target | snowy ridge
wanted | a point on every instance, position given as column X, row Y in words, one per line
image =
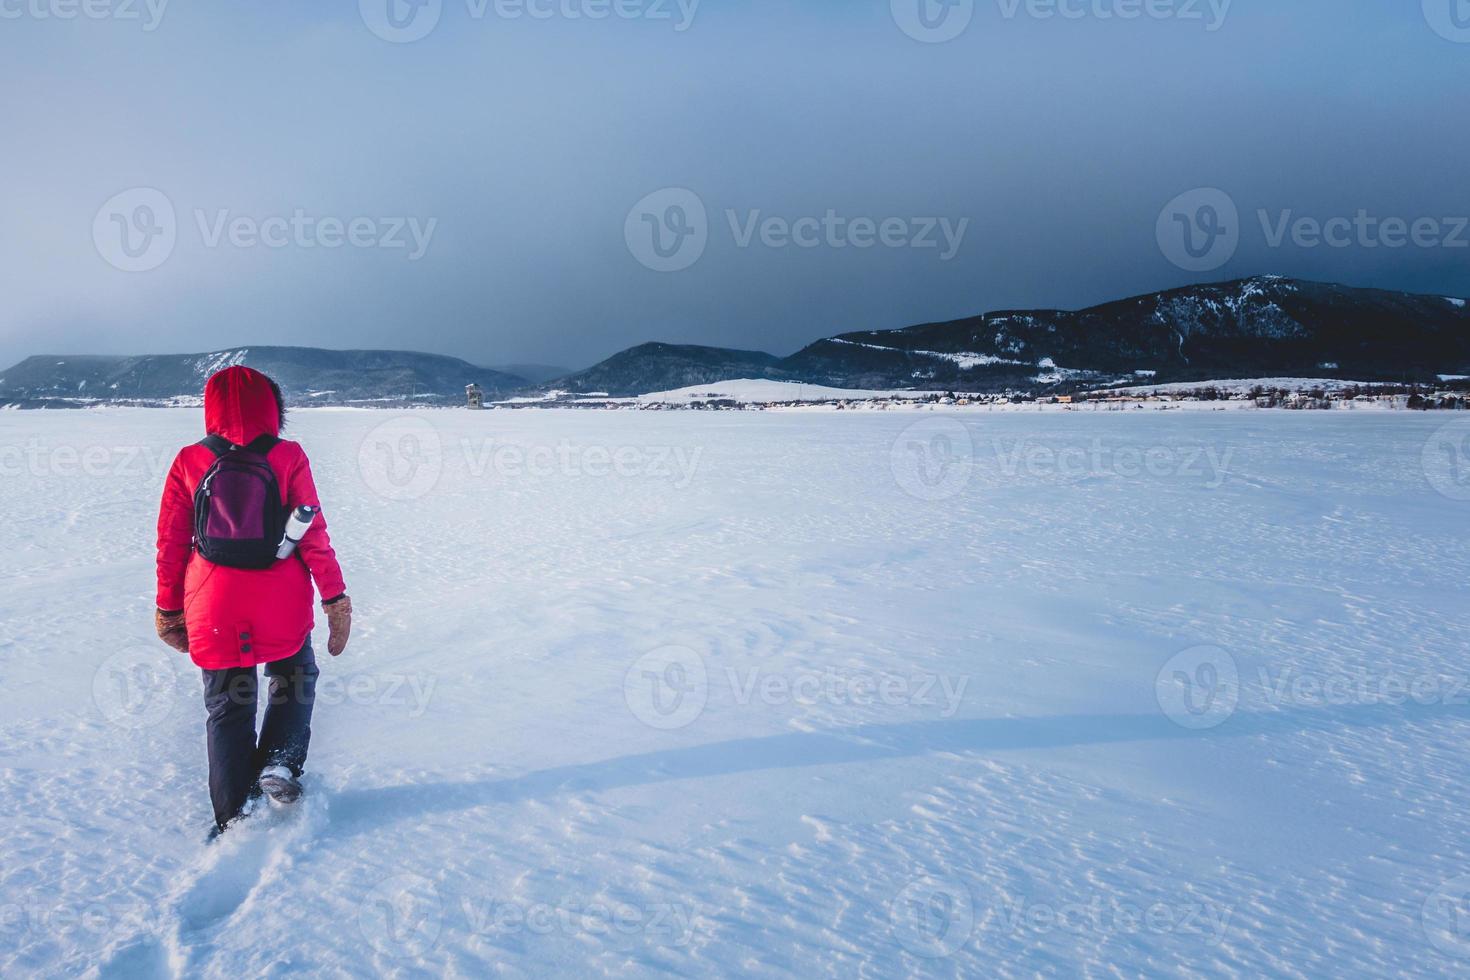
column 756, row 390
column 964, row 360
column 212, row 363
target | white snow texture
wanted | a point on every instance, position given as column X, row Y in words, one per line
column 808, row 694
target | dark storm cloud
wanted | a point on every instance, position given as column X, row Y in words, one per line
column 334, row 181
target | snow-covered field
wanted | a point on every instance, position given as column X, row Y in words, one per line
column 781, row 694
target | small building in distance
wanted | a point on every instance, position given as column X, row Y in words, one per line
column 474, row 396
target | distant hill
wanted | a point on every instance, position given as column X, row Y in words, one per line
column 534, row 373
column 1259, row 327
column 308, row 375
column 1266, row 326
column 658, row 367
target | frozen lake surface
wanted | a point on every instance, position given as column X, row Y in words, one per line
column 779, row 694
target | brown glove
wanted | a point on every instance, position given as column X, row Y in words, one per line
column 170, row 626
column 339, row 623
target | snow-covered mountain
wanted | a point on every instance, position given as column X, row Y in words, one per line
column 1266, row 326
column 1263, row 326
column 308, row 375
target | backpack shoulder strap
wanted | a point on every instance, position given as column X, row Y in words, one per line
column 218, row 445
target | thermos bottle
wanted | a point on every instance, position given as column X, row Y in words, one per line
column 296, row 528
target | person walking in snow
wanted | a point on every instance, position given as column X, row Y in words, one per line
column 227, row 600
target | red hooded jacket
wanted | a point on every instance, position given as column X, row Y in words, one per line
column 238, row 617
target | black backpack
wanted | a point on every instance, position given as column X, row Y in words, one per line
column 239, row 519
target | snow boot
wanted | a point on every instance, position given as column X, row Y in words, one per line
column 278, row 783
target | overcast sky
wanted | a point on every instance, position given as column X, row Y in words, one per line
column 211, row 173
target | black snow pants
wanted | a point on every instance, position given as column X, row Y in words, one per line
column 235, row 757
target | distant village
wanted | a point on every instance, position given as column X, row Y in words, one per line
column 1307, row 396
